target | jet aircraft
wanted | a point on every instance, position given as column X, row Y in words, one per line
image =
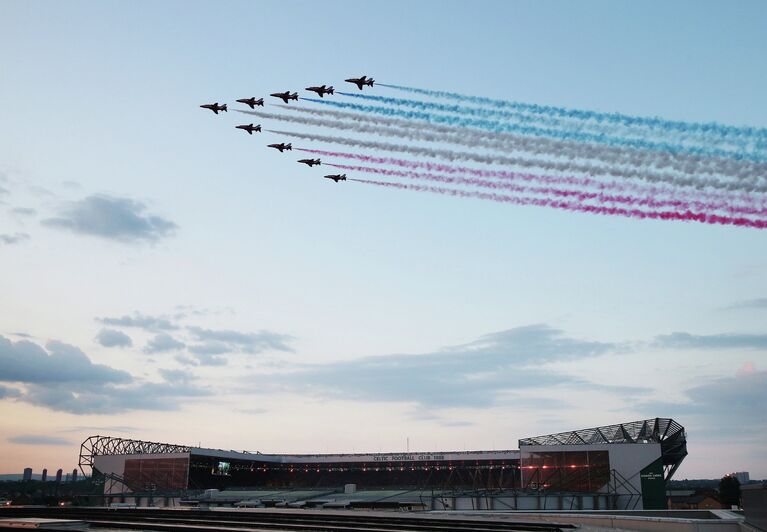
column 281, row 146
column 250, row 128
column 252, row 102
column 361, row 82
column 321, row 90
column 285, row 96
column 214, row 107
column 336, row 177
column 310, row 162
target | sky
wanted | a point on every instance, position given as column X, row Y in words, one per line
column 166, row 277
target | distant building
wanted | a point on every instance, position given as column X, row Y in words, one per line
column 742, row 476
column 694, row 501
column 27, row 473
column 66, row 478
column 58, row 475
column 74, row 475
column 45, row 475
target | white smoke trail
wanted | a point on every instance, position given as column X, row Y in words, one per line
column 450, row 155
column 505, row 142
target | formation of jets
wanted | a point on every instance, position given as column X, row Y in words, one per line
column 286, row 96
column 250, row 128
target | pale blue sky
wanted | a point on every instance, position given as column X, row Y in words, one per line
column 101, row 98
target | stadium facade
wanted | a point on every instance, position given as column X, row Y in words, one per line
column 622, row 466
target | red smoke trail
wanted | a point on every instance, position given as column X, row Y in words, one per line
column 579, row 195
column 753, row 204
column 686, row 216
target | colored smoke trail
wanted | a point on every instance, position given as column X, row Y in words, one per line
column 506, row 142
column 450, row 155
column 751, row 204
column 760, row 134
column 580, row 195
column 686, row 216
column 742, row 142
column 500, row 127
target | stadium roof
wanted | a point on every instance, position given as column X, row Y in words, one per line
column 665, row 431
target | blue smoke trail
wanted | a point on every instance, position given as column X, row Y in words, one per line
column 725, row 131
column 744, row 142
column 499, row 127
column 508, row 142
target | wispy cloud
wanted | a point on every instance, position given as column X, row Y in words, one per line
column 31, row 439
column 477, row 374
column 114, row 218
column 758, row 303
column 213, row 343
column 113, row 338
column 683, row 340
column 16, row 238
column 101, row 428
column 24, row 211
column 141, row 321
column 246, row 342
column 732, row 404
column 162, row 343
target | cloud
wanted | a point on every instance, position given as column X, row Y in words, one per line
column 24, row 211
column 62, row 378
column 120, row 219
column 101, row 429
column 726, row 405
column 682, row 340
column 27, row 362
column 113, row 338
column 15, row 238
column 177, row 375
column 38, row 440
column 210, row 348
column 758, row 303
column 109, row 399
column 140, row 321
column 163, row 343
column 240, row 341
column 6, row 392
column 207, row 354
column 253, row 411
column 476, row 374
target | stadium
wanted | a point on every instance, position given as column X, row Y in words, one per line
column 614, row 467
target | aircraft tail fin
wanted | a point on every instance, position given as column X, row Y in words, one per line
column 224, row 108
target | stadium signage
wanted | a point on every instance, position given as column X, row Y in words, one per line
column 407, row 457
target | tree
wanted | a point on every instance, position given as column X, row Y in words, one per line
column 729, row 491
